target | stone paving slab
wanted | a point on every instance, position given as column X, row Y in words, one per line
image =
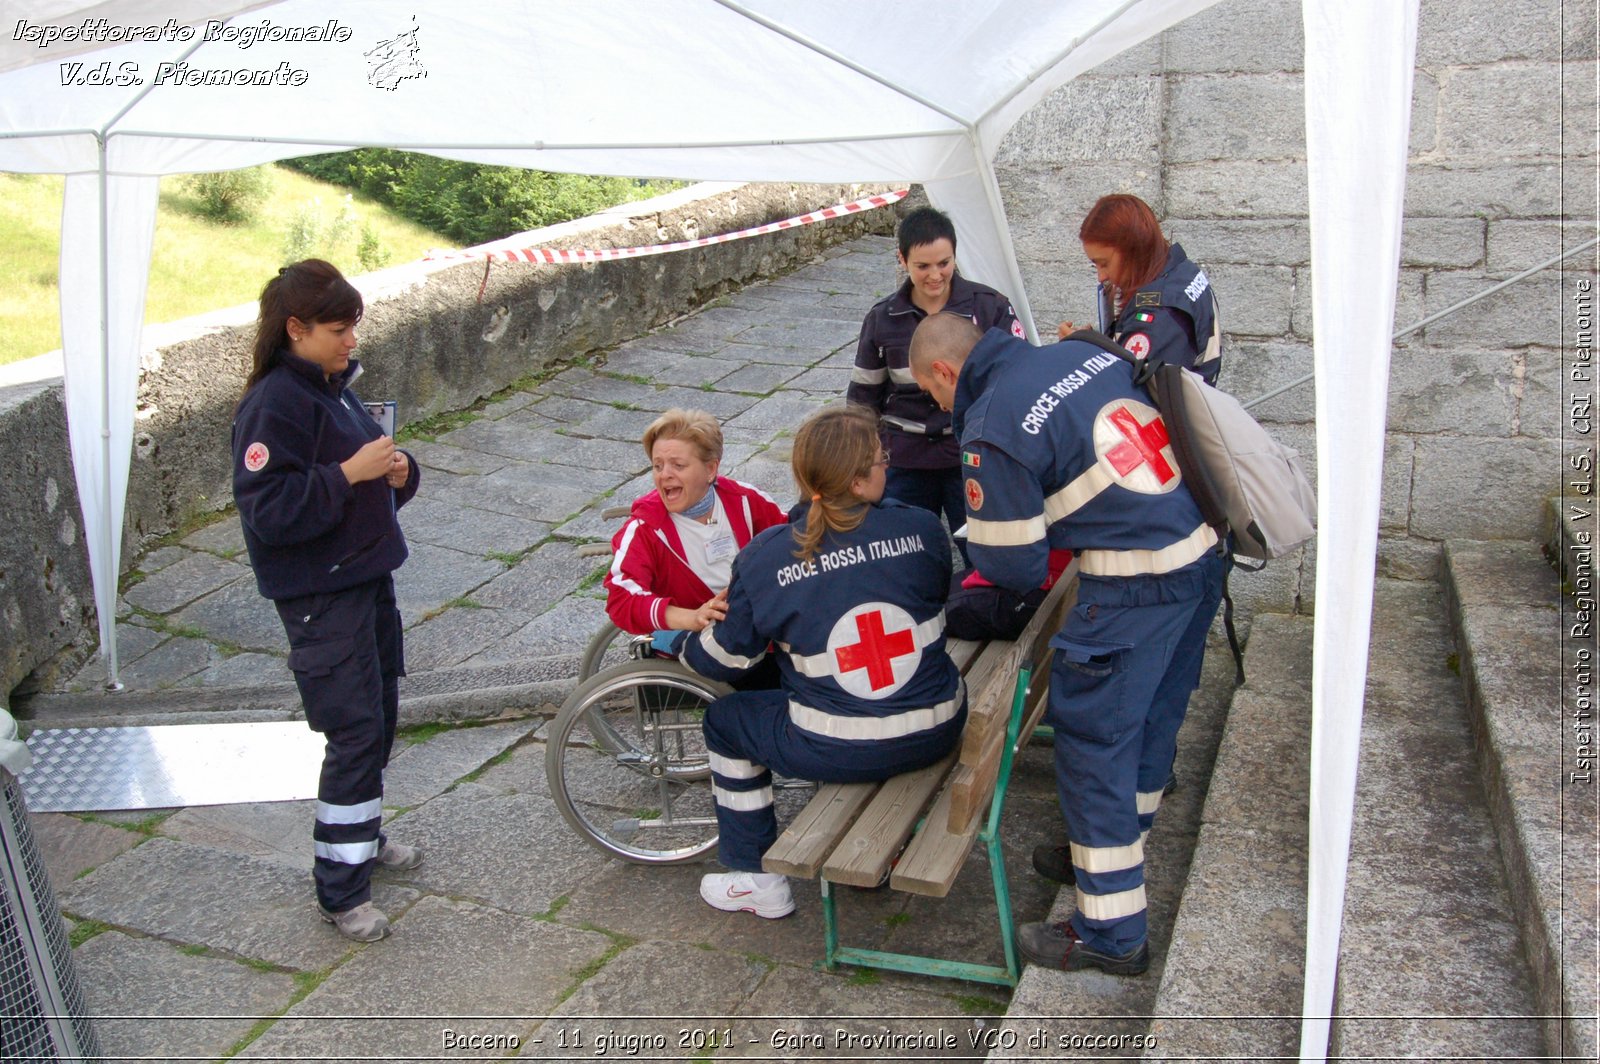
column 182, row 582
column 759, row 378
column 224, row 537
column 420, row 771
column 434, row 576
column 541, row 580
column 471, row 969
column 699, row 371
column 169, row 663
column 240, row 670
column 723, row 402
column 71, row 846
column 814, row 337
column 459, row 633
column 238, row 615
column 133, row 642
column 279, row 832
column 511, row 851
column 643, row 357
column 437, row 456
column 674, row 994
column 155, row 1002
column 780, row 413
column 565, row 628
column 200, row 896
column 468, row 528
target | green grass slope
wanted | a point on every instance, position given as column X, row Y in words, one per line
column 197, row 264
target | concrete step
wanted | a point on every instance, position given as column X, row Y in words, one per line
column 1238, row 945
column 1526, row 659
column 1430, row 949
column 1569, row 540
column 1427, row 929
column 462, row 692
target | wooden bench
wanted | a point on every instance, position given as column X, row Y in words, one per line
column 852, row 833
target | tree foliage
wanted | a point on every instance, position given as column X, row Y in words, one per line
column 230, row 196
column 471, row 202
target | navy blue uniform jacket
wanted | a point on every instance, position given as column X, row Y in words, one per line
column 307, row 529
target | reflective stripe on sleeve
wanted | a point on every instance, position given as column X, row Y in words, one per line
column 1006, row 533
column 902, row 376
column 630, row 586
column 350, row 814
column 1144, row 562
column 908, row 722
column 1118, row 906
column 868, row 376
column 351, row 853
column 819, row 665
column 735, row 768
column 743, row 801
column 708, row 643
column 1108, row 858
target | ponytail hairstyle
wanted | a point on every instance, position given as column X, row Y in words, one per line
column 831, row 450
column 312, row 291
column 1128, row 224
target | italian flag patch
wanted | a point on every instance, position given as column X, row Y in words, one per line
column 1141, row 316
column 970, row 459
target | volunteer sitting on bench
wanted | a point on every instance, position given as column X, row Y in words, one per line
column 672, row 559
column 851, row 596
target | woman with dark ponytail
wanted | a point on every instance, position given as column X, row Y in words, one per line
column 317, row 484
column 850, row 598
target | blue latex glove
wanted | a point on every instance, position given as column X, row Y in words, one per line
column 667, row 641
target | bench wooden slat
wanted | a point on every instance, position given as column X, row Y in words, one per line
column 974, row 779
column 930, row 864
column 972, row 784
column 863, row 855
column 804, row 844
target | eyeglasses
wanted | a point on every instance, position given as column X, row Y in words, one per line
column 883, row 458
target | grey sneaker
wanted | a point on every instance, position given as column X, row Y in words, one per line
column 361, row 924
column 398, row 857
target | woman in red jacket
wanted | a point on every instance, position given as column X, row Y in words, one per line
column 673, row 558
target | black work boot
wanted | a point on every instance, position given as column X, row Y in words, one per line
column 1054, row 863
column 1058, row 946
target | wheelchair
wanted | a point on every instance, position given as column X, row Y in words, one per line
column 627, row 760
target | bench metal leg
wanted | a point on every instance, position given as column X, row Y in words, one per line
column 834, row 954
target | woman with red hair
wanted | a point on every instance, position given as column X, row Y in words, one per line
column 1154, row 301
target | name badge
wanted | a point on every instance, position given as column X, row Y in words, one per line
column 721, row 548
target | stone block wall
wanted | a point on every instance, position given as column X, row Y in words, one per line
column 1206, row 122
column 436, row 337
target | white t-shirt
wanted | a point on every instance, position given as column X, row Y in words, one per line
column 709, row 548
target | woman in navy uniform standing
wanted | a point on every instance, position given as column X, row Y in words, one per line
column 317, row 485
column 1161, row 305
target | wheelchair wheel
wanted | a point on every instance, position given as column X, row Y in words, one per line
column 628, row 766
column 608, row 647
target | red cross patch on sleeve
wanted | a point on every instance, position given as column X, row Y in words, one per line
column 1138, row 345
column 974, row 495
column 255, row 457
column 1017, row 329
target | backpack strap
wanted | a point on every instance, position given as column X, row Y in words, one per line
column 1142, row 369
column 1144, row 375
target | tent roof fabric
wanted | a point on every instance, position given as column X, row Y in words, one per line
column 762, row 90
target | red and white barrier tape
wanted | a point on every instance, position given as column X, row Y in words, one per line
column 552, row 255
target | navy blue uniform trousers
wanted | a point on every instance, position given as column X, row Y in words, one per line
column 1126, row 661
column 750, row 736
column 346, row 651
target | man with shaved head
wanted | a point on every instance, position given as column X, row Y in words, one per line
column 1060, row 449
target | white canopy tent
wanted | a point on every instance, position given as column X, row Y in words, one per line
column 762, row 90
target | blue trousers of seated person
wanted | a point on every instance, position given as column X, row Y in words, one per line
column 1126, row 661
column 750, row 737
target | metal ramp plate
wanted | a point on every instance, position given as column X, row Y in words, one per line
column 78, row 770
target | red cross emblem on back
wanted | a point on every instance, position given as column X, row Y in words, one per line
column 876, row 651
column 1142, row 444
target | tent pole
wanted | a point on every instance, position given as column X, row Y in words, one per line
column 105, row 596
column 997, row 215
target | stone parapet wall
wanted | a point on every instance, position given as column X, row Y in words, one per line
column 1206, row 122
column 436, row 337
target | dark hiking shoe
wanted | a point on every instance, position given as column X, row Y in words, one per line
column 1054, row 863
column 1058, row 946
